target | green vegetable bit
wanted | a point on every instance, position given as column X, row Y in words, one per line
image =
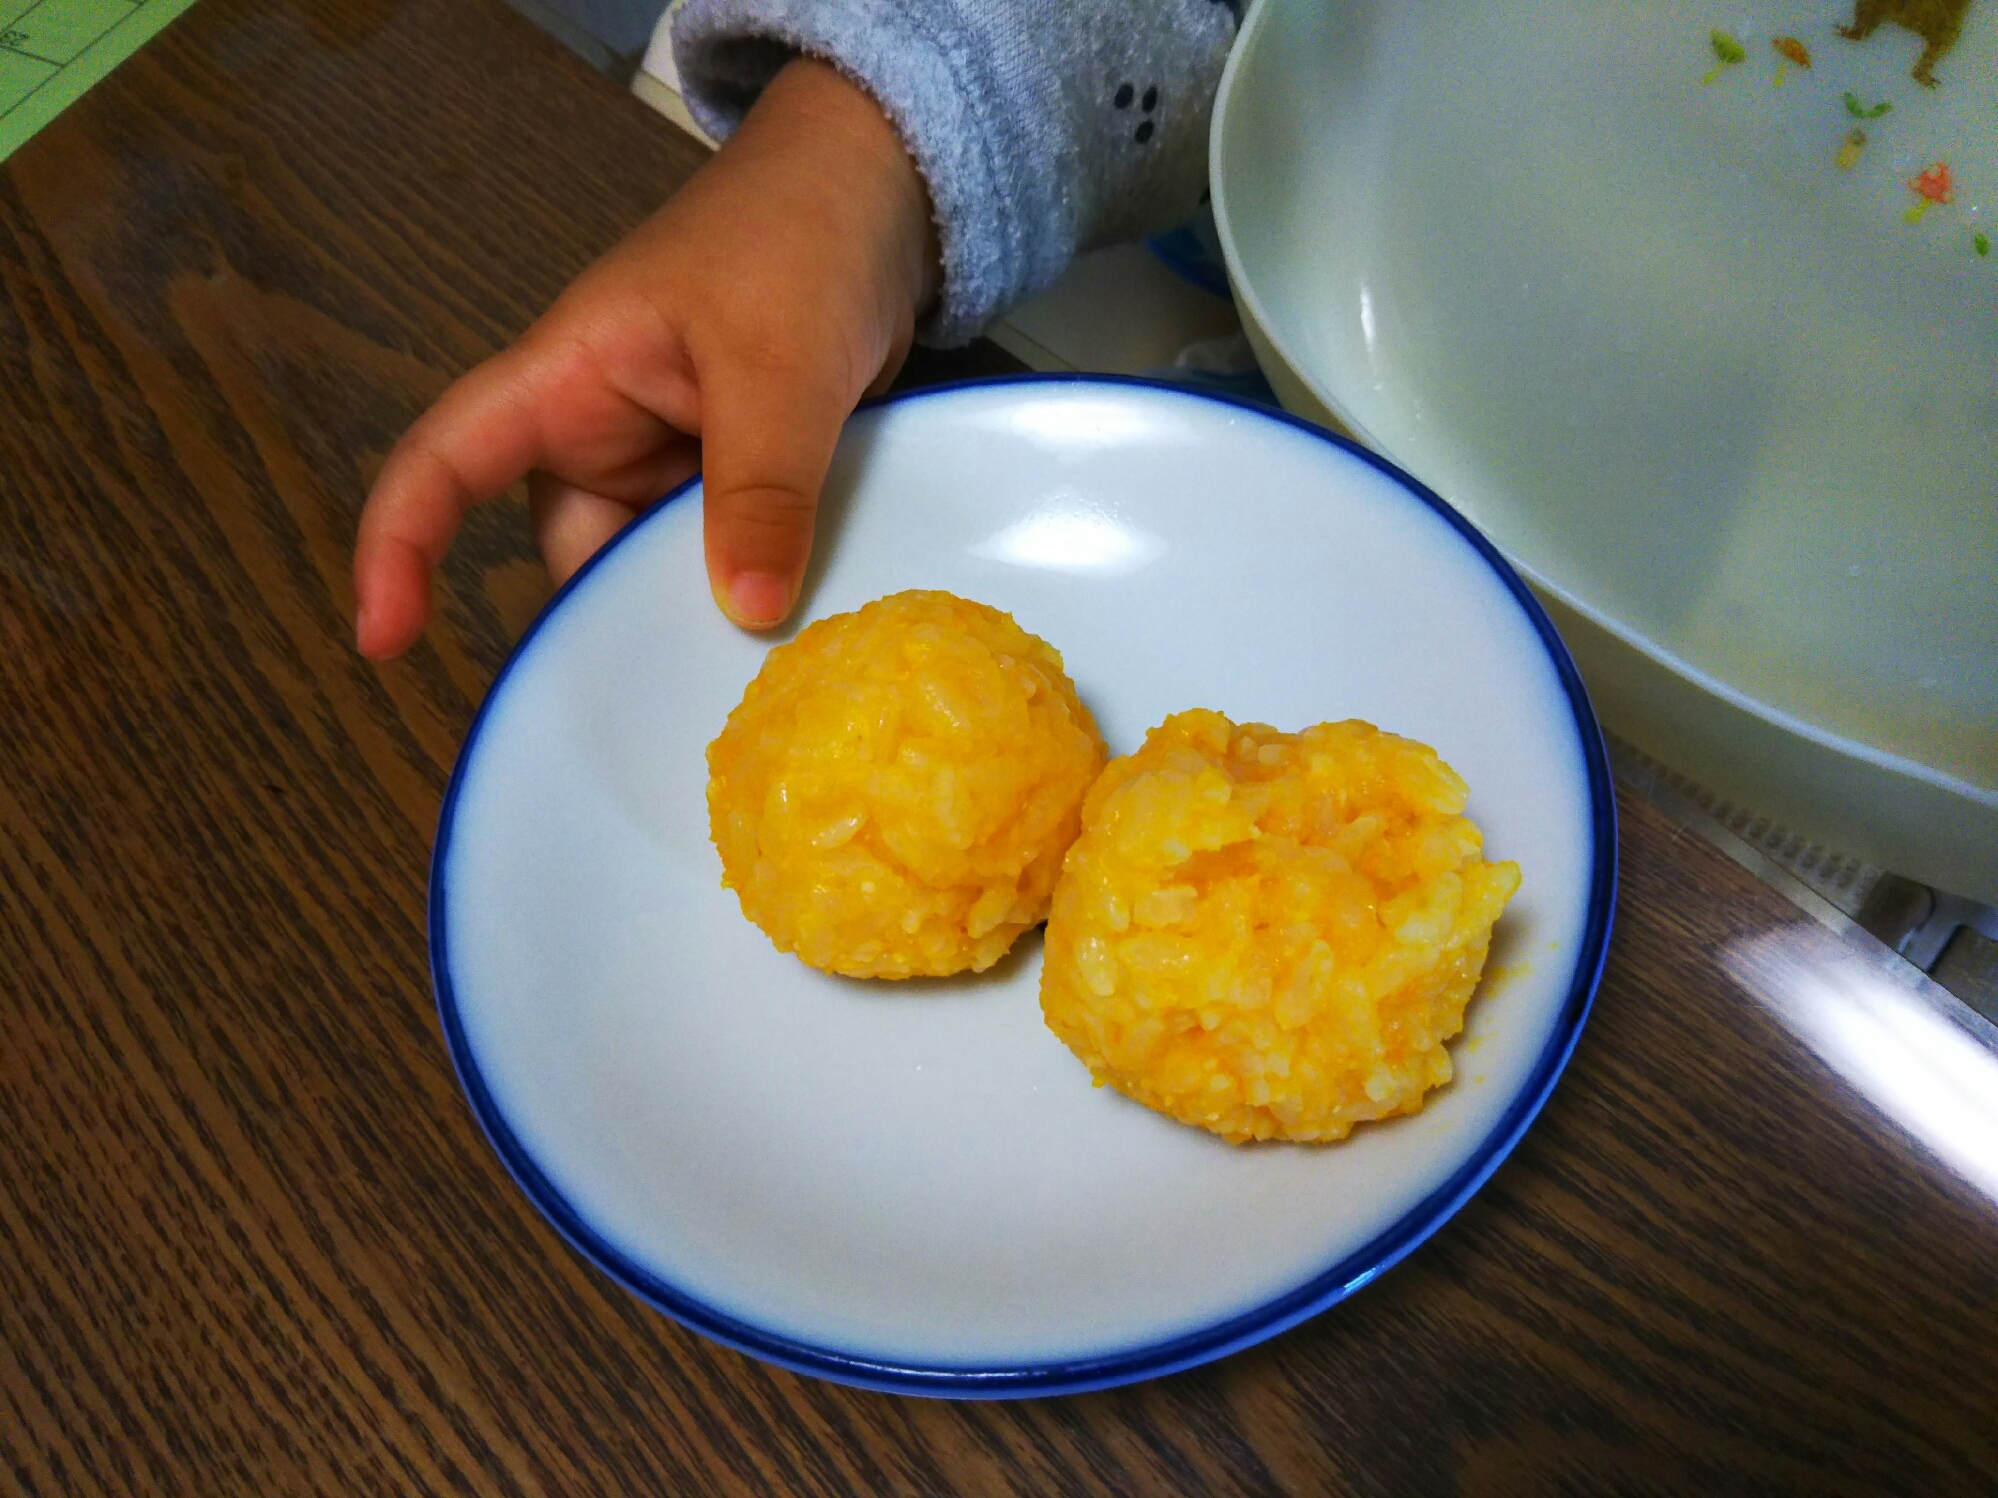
column 1860, row 112
column 1982, row 241
column 1726, row 48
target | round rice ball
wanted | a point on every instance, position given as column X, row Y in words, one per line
column 893, row 796
column 1271, row 935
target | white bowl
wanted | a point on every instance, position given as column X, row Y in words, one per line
column 914, row 1186
column 1731, row 414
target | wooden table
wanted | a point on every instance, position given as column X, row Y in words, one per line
column 251, row 1240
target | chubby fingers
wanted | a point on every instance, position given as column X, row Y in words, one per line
column 480, row 437
column 571, row 523
column 767, row 436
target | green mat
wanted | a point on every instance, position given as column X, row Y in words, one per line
column 52, row 50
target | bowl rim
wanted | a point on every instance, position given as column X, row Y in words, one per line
column 1067, row 1375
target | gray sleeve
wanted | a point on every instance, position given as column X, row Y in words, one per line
column 1042, row 127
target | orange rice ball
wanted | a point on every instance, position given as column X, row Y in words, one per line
column 1271, row 935
column 893, row 796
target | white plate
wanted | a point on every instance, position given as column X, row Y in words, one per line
column 915, row 1187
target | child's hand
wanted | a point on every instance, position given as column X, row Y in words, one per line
column 735, row 330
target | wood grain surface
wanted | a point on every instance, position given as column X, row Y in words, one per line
column 251, row 1240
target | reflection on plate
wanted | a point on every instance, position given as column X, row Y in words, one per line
column 914, row 1186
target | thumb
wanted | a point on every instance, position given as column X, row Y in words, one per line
column 767, row 437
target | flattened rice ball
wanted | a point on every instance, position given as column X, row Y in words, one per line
column 1271, row 935
column 893, row 796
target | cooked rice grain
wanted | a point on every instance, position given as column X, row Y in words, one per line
column 893, row 796
column 1271, row 935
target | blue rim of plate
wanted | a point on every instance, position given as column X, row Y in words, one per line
column 1132, row 1365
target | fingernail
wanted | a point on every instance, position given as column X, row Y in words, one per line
column 757, row 600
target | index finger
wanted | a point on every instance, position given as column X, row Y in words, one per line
column 480, row 437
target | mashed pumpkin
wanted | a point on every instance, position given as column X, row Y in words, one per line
column 1271, row 935
column 893, row 796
